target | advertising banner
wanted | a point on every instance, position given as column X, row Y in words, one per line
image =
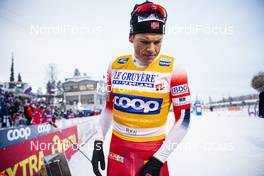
column 26, row 158
column 11, row 136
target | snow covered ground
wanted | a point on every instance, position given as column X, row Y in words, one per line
column 220, row 143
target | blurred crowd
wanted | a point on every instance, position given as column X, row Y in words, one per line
column 17, row 110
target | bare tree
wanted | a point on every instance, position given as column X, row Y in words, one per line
column 52, row 73
column 257, row 83
column 51, row 79
column 12, row 72
column 19, row 78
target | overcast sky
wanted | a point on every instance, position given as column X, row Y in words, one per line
column 220, row 43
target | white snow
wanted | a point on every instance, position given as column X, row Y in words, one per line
column 220, row 143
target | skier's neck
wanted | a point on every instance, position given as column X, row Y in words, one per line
column 138, row 62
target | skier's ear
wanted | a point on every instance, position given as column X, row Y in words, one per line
column 131, row 38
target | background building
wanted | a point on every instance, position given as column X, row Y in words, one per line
column 83, row 92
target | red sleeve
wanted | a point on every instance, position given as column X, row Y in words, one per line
column 109, row 100
column 180, row 92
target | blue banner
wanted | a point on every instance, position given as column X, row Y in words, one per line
column 15, row 135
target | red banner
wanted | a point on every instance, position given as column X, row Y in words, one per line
column 27, row 158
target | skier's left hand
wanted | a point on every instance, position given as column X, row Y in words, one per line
column 98, row 157
column 152, row 167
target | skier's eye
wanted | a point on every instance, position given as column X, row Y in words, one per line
column 157, row 42
column 145, row 42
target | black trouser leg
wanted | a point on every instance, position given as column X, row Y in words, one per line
column 261, row 104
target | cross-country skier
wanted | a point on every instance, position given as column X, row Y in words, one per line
column 142, row 87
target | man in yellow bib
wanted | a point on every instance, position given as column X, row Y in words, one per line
column 142, row 88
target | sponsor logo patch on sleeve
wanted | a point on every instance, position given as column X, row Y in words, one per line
column 116, row 157
column 181, row 101
column 180, row 89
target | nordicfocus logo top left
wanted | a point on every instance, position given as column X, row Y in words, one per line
column 15, row 134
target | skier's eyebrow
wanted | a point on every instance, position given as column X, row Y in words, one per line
column 148, row 38
column 150, row 41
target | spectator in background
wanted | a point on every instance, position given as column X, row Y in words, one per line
column 47, row 115
column 6, row 118
column 19, row 119
column 1, row 107
column 36, row 118
column 29, row 112
column 27, row 109
column 70, row 114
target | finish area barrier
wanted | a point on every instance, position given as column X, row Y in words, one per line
column 22, row 149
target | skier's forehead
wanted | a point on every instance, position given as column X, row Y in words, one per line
column 149, row 36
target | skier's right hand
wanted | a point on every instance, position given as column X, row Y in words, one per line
column 98, row 156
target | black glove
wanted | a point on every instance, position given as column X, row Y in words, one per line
column 98, row 156
column 152, row 167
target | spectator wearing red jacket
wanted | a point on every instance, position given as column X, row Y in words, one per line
column 36, row 116
column 47, row 115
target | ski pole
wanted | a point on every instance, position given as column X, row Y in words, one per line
column 55, row 126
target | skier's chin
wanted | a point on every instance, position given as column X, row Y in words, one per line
column 149, row 58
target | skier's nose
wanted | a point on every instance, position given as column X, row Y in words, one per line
column 151, row 47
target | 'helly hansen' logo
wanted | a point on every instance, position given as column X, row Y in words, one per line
column 123, row 60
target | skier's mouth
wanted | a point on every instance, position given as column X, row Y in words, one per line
column 149, row 56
